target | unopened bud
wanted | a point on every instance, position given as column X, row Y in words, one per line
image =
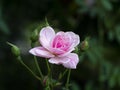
column 84, row 45
column 15, row 50
column 76, row 50
column 34, row 36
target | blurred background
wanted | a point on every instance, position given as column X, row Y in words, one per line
column 99, row 67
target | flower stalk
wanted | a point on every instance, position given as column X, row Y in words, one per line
column 20, row 60
column 48, row 66
column 38, row 67
column 68, row 77
column 62, row 74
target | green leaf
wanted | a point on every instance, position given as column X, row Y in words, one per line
column 107, row 4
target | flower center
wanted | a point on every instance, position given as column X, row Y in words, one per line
column 62, row 42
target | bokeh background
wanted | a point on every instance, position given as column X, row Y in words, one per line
column 99, row 67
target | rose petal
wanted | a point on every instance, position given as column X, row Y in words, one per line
column 66, row 53
column 59, row 60
column 60, row 33
column 46, row 35
column 42, row 52
column 72, row 62
column 75, row 39
column 57, row 51
column 69, row 61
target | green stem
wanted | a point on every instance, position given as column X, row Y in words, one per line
column 20, row 60
column 50, row 76
column 68, row 77
column 48, row 66
column 47, row 88
column 63, row 74
column 36, row 62
column 37, row 65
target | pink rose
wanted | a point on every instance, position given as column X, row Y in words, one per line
column 57, row 47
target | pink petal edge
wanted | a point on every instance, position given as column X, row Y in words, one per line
column 70, row 61
column 41, row 52
column 74, row 38
column 58, row 60
column 72, row 64
column 45, row 36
